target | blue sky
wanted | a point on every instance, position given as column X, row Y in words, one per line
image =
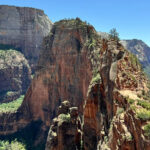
column 131, row 18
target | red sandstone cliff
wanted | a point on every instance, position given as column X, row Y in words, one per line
column 112, row 112
column 64, row 70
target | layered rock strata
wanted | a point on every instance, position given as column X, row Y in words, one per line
column 23, row 29
column 64, row 70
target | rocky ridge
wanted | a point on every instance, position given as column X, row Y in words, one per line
column 110, row 121
column 137, row 47
column 65, row 131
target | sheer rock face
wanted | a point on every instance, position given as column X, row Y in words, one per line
column 65, row 131
column 24, row 29
column 98, row 111
column 15, row 75
column 65, row 71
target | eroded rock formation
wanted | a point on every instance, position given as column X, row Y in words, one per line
column 110, row 121
column 65, row 71
column 65, row 131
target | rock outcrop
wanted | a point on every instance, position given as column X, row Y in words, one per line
column 24, row 29
column 64, row 70
column 110, row 116
column 137, row 47
column 15, row 75
column 65, row 131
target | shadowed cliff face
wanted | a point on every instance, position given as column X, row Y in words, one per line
column 24, row 29
column 65, row 71
column 15, row 75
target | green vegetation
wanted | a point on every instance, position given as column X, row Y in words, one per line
column 133, row 107
column 13, row 145
column 11, row 106
column 147, row 130
column 144, row 104
column 4, row 52
column 120, row 110
column 92, row 39
column 6, row 94
column 32, row 76
column 145, row 96
column 26, row 138
column 113, row 34
column 130, row 75
column 6, row 55
column 92, row 43
column 134, row 61
column 129, row 137
column 130, row 101
column 9, row 93
column 96, row 79
column 64, row 117
column 143, row 114
column 70, row 22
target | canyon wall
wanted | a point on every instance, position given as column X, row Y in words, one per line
column 23, row 29
column 64, row 71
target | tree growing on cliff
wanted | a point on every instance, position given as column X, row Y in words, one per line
column 113, row 34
